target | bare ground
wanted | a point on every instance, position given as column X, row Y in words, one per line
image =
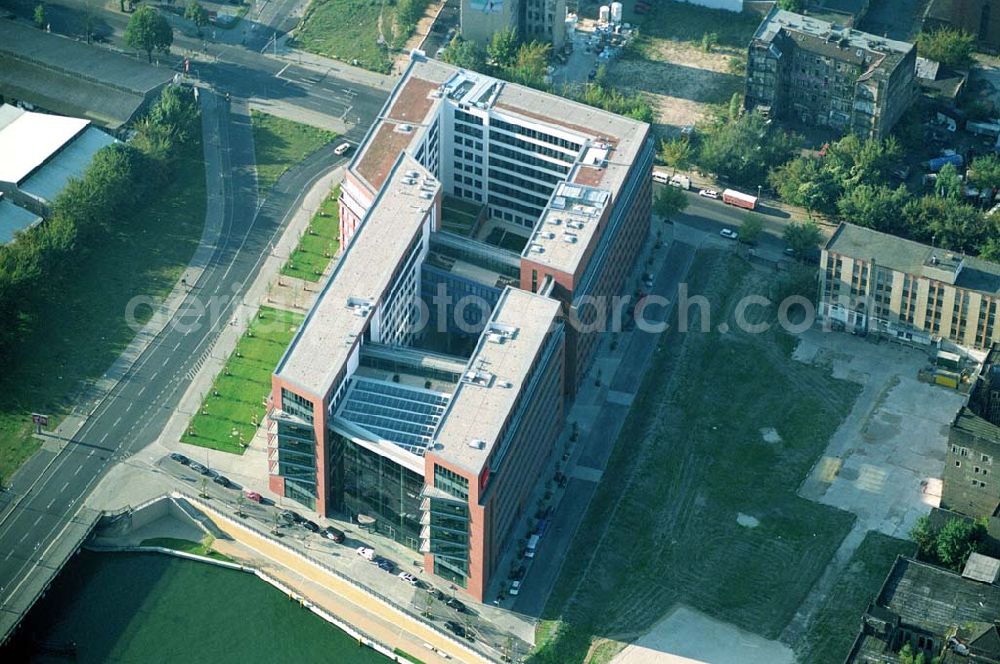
column 680, row 79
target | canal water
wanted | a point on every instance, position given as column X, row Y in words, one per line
column 146, row 608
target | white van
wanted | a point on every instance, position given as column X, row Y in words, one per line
column 661, row 177
column 532, row 545
column 681, row 181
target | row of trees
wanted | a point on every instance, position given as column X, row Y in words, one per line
column 114, row 186
column 506, row 56
column 853, row 180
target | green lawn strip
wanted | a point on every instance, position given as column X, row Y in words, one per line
column 835, row 626
column 281, row 143
column 674, row 536
column 348, row 30
column 202, row 548
column 79, row 326
column 407, row 656
column 319, row 244
column 236, row 399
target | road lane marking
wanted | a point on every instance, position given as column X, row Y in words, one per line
column 103, row 438
column 77, row 471
column 51, row 503
column 64, row 486
column 116, row 422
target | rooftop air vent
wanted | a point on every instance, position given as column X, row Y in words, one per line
column 426, row 195
column 505, row 384
column 555, row 221
column 403, row 128
column 477, row 444
column 575, row 224
column 498, row 332
column 569, row 238
column 538, row 249
column 412, row 174
column 479, row 377
column 359, row 306
column 546, row 235
column 409, row 181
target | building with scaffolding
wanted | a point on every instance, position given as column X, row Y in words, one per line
column 424, row 393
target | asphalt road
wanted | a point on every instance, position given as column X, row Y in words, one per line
column 50, row 487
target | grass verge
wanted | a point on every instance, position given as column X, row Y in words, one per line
column 202, row 548
column 691, row 458
column 281, row 143
column 835, row 625
column 349, row 30
column 319, row 244
column 79, row 326
column 681, row 21
column 229, row 413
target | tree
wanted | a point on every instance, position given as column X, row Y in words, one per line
column 531, row 64
column 464, row 54
column 906, row 654
column 949, row 183
column 675, row 152
column 802, row 238
column 984, row 173
column 949, row 46
column 792, row 5
column 503, row 47
column 924, row 536
column 804, row 181
column 148, row 31
column 40, row 16
column 735, row 106
column 196, row 14
column 957, row 540
column 709, row 40
column 743, row 151
column 878, row 207
column 752, row 227
column 946, row 223
column 408, row 12
column 669, row 202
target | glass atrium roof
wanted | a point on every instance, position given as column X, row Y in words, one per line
column 403, row 415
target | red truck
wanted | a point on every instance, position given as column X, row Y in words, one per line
column 739, row 199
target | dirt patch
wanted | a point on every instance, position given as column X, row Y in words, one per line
column 681, row 80
column 770, row 435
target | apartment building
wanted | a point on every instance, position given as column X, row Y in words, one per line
column 971, row 483
column 872, row 282
column 541, row 20
column 819, row 73
column 376, row 412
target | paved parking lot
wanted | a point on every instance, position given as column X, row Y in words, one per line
column 885, row 461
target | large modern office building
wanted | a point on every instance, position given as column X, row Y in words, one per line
column 876, row 282
column 374, row 414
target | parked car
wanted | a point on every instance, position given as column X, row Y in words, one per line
column 198, row 468
column 386, row 565
column 709, row 193
column 457, row 605
column 222, row 481
column 342, row 149
column 729, row 234
column 437, row 594
column 288, row 516
column 409, row 578
column 455, row 628
column 311, row 526
column 180, row 458
column 334, row 534
column 253, row 496
column 515, row 588
column 366, row 552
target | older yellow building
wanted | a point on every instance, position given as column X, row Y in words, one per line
column 873, row 282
